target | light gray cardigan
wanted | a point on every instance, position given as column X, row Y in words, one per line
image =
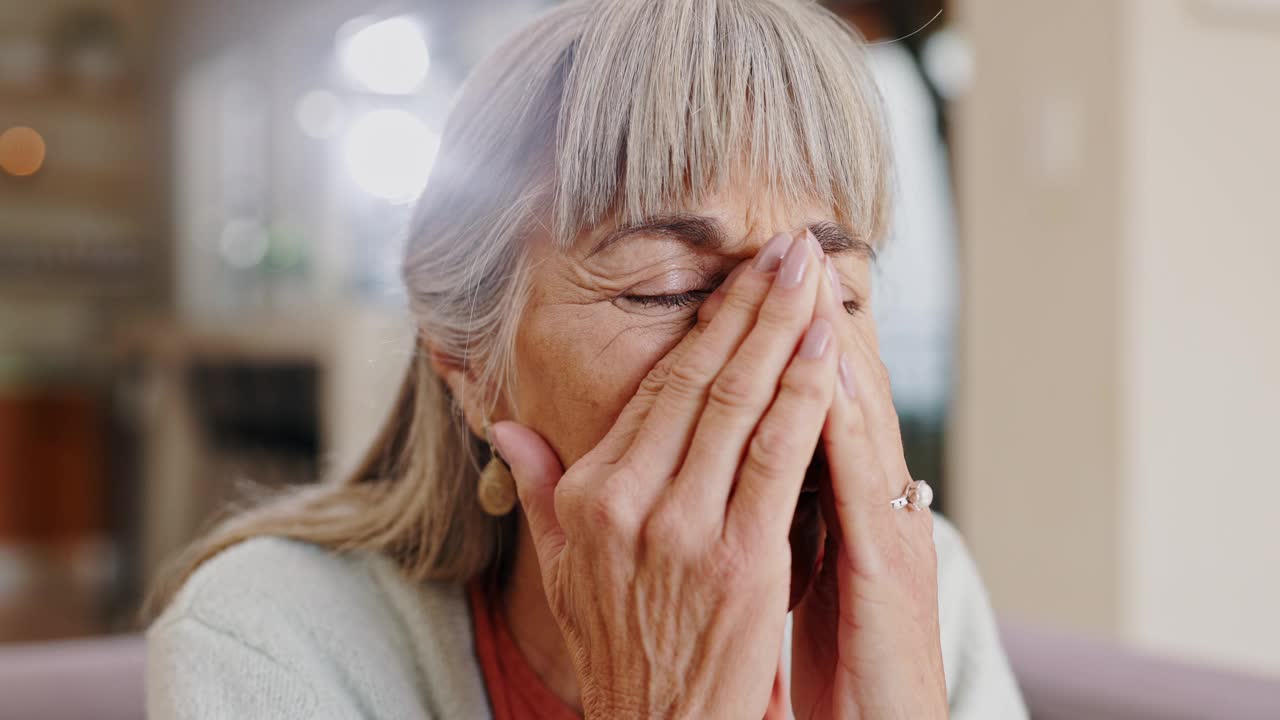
column 279, row 629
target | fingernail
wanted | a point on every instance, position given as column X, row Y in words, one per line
column 834, row 281
column 816, row 339
column 817, row 246
column 770, row 256
column 791, row 274
column 846, row 376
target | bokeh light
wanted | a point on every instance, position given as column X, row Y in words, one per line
column 22, row 151
column 244, row 243
column 387, row 56
column 319, row 114
column 389, row 154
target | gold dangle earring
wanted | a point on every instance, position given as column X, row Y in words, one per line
column 497, row 489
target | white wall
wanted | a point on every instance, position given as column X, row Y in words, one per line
column 1202, row 336
column 1114, row 450
column 1035, row 471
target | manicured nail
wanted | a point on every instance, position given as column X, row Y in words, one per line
column 791, row 274
column 816, row 340
column 846, row 376
column 770, row 256
column 834, row 281
column 817, row 246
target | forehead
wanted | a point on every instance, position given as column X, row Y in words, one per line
column 735, row 220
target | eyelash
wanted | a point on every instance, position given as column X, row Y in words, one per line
column 685, row 299
column 678, row 300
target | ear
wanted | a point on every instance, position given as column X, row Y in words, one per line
column 466, row 389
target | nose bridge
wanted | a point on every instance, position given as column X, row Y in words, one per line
column 762, row 218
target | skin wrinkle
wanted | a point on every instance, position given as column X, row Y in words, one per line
column 597, row 286
column 580, row 355
column 703, row 234
column 587, row 112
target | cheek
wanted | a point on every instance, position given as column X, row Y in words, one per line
column 576, row 371
column 869, row 330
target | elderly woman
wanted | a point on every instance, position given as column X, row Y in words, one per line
column 640, row 273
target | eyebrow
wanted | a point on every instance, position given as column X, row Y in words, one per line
column 835, row 239
column 696, row 231
column 700, row 231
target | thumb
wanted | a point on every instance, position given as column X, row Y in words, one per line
column 537, row 470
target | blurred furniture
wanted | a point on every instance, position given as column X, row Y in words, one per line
column 1067, row 677
column 83, row 207
column 73, row 680
column 219, row 405
column 228, row 409
column 82, row 216
column 55, row 551
column 1062, row 677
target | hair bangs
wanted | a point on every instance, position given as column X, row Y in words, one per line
column 665, row 101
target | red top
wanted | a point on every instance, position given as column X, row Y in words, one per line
column 515, row 690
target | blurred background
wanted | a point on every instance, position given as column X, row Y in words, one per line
column 202, row 205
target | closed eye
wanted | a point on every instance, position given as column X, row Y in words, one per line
column 673, row 301
column 693, row 297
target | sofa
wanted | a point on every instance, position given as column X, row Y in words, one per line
column 1063, row 677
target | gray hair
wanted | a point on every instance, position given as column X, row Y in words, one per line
column 598, row 109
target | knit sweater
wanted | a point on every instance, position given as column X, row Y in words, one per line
column 280, row 629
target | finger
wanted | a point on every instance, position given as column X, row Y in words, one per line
column 713, row 302
column 859, row 498
column 748, row 384
column 872, row 450
column 622, row 434
column 780, row 699
column 536, row 470
column 664, row 436
column 780, row 449
column 875, row 394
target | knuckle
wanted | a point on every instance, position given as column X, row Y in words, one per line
column 568, row 500
column 781, row 316
column 653, row 382
column 806, row 387
column 855, row 421
column 740, row 299
column 606, row 515
column 733, row 388
column 687, row 378
column 771, row 448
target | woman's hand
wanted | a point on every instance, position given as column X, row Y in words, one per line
column 866, row 638
column 664, row 550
